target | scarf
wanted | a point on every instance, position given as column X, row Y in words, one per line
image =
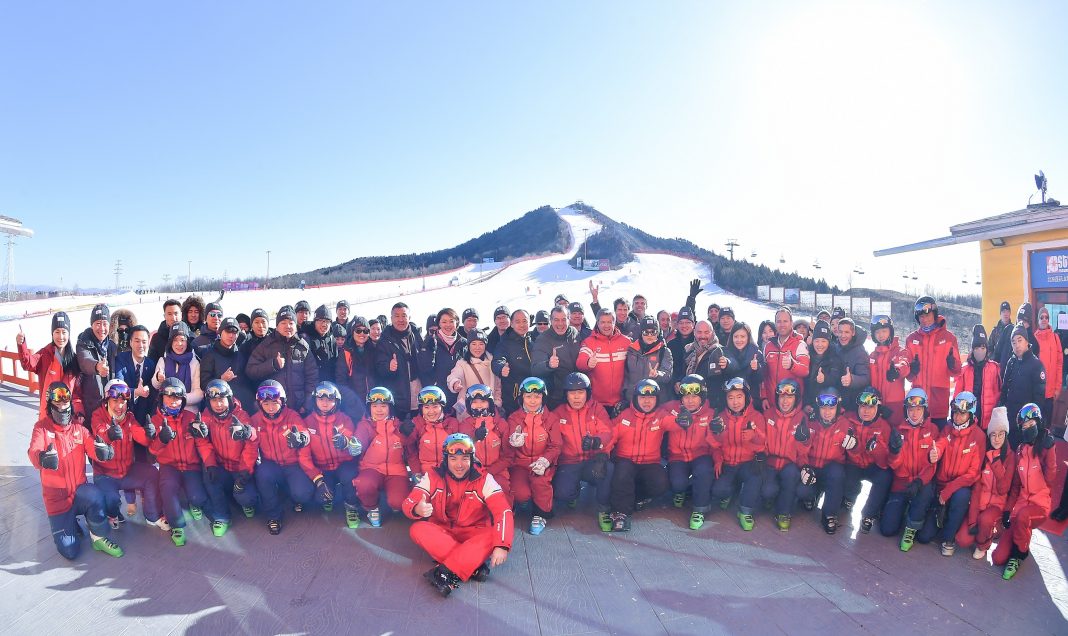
column 694, row 352
column 178, row 366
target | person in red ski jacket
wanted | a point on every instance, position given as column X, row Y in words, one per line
column 889, row 365
column 913, row 448
column 58, row 450
column 604, row 356
column 56, row 362
column 786, row 355
column 991, row 491
column 934, row 358
column 180, row 446
column 235, row 448
column 833, row 436
column 1029, row 498
column 694, row 457
column 334, row 450
column 740, row 433
column 462, row 517
column 1051, row 353
column 637, row 438
column 114, row 431
column 870, row 459
column 980, row 376
column 585, row 432
column 285, row 459
column 959, row 462
column 537, row 450
column 787, row 436
column 432, row 426
column 487, row 428
column 386, row 442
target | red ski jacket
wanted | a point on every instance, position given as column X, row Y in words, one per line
column 1036, row 470
column 234, row 456
column 273, row 446
column 637, row 436
column 913, row 461
column 73, row 444
column 184, row 452
column 991, row 490
column 686, row 445
column 574, row 425
column 321, row 433
column 991, row 389
column 476, row 502
column 494, row 452
column 880, row 430
column 743, row 437
column 385, row 450
column 779, row 430
column 826, row 444
column 118, row 465
column 543, row 440
column 880, row 360
column 961, row 460
column 933, row 349
column 794, row 347
column 610, row 352
column 428, row 439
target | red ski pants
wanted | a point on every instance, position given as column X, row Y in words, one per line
column 526, row 486
column 461, row 550
column 370, row 483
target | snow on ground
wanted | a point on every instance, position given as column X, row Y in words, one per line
column 529, row 284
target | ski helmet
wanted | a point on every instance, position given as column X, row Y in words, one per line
column 915, row 397
column 645, row 388
column 577, row 381
column 380, row 395
column 925, row 305
column 172, row 387
column 479, row 392
column 457, row 444
column 693, row 384
column 117, row 389
column 329, row 391
column 882, row 321
column 739, row 384
column 221, row 389
column 60, row 408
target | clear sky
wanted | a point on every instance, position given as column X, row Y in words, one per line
column 160, row 133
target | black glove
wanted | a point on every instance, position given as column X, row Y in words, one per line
column 49, row 458
column 1005, row 519
column 322, row 491
column 166, row 433
column 914, row 366
column 750, row 426
column 808, row 475
column 599, row 470
column 104, row 453
column 197, row 428
column 481, row 431
column 695, row 287
column 892, row 374
column 211, row 473
column 684, row 419
column 297, row 439
column 872, row 443
column 913, row 488
column 150, row 429
column 1045, row 443
column 339, row 439
column 973, row 530
column 239, row 432
column 717, row 426
column 241, row 479
column 950, row 363
column 801, row 433
column 114, row 431
column 760, row 456
column 940, row 514
column 406, row 427
column 897, row 441
column 618, row 408
column 591, row 442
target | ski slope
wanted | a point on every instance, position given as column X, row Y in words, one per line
column 531, row 284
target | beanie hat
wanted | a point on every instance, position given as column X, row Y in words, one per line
column 477, row 334
column 100, row 312
column 726, row 311
column 229, row 324
column 838, row 313
column 322, row 312
column 560, row 298
column 1019, row 330
column 501, row 311
column 649, row 324
column 302, row 305
column 259, row 313
column 1024, row 312
column 339, row 330
column 381, row 320
column 978, row 336
column 431, row 322
column 243, row 318
column 999, row 421
column 576, row 306
column 343, row 303
column 360, row 321
column 541, row 318
column 178, row 329
column 468, row 313
column 285, row 312
column 686, row 314
column 823, row 314
column 60, row 320
column 212, row 307
column 1005, row 306
column 822, row 330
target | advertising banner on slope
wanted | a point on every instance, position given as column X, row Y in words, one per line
column 808, row 299
column 792, row 297
column 862, row 307
column 763, row 292
column 777, row 295
column 824, row 301
column 880, row 308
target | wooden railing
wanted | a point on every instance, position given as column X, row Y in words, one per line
column 18, row 377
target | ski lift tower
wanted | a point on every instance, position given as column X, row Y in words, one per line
column 11, row 228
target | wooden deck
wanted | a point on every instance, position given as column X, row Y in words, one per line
column 318, row 577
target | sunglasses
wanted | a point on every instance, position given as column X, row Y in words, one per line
column 691, row 388
column 362, row 332
column 378, row 397
column 867, row 399
column 827, row 399
column 215, row 314
column 650, row 332
column 119, row 391
column 786, row 389
column 460, row 447
column 1030, row 412
column 215, row 393
column 59, row 394
column 268, row 394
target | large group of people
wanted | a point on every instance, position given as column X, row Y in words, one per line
column 456, row 426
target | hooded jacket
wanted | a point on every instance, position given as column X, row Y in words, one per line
column 854, row 360
column 648, row 361
column 934, row 349
column 121, row 340
column 608, row 374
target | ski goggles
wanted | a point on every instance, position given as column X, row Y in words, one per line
column 878, row 322
column 460, row 447
column 650, row 332
column 734, row 384
column 926, row 308
column 430, row 398
column 59, row 394
column 379, row 397
column 647, row 389
column 916, row 400
column 214, row 393
column 325, row 394
column 532, row 385
column 478, row 394
column 1029, row 412
column 868, row 398
column 828, row 399
column 119, row 391
column 268, row 394
column 691, row 388
column 786, row 388
column 963, row 405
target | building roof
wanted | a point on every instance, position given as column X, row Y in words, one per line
column 1033, row 218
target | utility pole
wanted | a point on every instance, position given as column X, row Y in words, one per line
column 166, row 280
column 118, row 273
column 731, row 244
column 189, row 275
column 267, row 283
column 585, row 248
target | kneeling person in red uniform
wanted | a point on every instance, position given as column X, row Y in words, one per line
column 482, row 424
column 991, row 491
column 462, row 517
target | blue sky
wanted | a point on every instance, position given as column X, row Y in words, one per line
column 212, row 132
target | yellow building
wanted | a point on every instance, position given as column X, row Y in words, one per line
column 1024, row 257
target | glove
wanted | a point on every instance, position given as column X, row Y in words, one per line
column 599, row 470
column 518, row 438
column 297, row 439
column 104, row 452
column 166, row 433
column 802, row 433
column 892, row 374
column 198, row 428
column 591, row 442
column 872, row 443
column 914, row 366
column 322, row 491
column 618, row 408
column 695, row 287
column 49, row 458
column 1045, row 443
column 684, row 419
column 973, row 530
column 211, row 473
column 481, row 431
column 760, row 456
column 940, row 514
column 849, row 442
column 150, row 429
column 950, row 364
column 339, row 439
column 241, row 479
column 114, row 431
column 808, row 475
column 717, row 426
column 539, row 466
column 355, row 447
column 1005, row 519
column 406, row 427
column 913, row 488
column 896, row 441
